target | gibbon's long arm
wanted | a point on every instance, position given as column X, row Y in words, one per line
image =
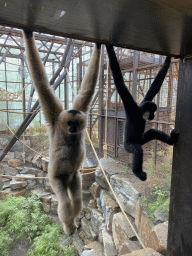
column 48, row 100
column 158, row 81
column 129, row 104
column 84, row 97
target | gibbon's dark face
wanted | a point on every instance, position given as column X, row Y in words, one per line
column 73, row 121
column 148, row 109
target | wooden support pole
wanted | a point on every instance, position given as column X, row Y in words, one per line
column 180, row 214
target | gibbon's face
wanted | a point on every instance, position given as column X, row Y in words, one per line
column 73, row 121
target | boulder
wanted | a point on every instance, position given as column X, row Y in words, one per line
column 31, row 184
column 14, row 162
column 123, row 235
column 91, row 252
column 110, row 167
column 3, row 168
column 31, row 170
column 126, row 193
column 144, row 252
column 19, row 155
column 95, row 189
column 3, row 142
column 45, row 163
column 54, row 204
column 97, row 246
column 77, row 241
column 96, row 220
column 9, row 155
column 1, row 184
column 11, row 171
column 158, row 238
column 46, row 203
column 17, row 184
column 143, row 225
column 37, row 161
column 109, row 207
column 18, row 146
column 15, row 193
column 88, row 230
column 108, row 244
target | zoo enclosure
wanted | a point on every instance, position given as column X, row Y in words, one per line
column 106, row 117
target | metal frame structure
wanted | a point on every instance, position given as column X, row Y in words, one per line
column 139, row 69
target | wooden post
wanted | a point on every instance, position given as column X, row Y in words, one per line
column 180, row 214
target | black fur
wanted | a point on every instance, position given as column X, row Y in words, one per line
column 74, row 112
column 135, row 136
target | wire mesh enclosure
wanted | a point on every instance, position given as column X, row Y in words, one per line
column 106, row 117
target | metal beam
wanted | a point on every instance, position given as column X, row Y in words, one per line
column 180, row 214
column 29, row 118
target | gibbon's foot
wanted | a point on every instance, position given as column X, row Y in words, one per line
column 174, row 136
column 28, row 32
column 98, row 46
column 141, row 175
column 69, row 229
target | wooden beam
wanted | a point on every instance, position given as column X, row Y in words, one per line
column 180, row 214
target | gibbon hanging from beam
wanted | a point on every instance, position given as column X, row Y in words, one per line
column 66, row 132
column 136, row 115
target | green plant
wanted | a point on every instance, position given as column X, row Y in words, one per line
column 125, row 170
column 156, row 199
column 23, row 217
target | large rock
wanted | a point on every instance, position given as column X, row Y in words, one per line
column 91, row 252
column 144, row 252
column 108, row 243
column 20, row 147
column 45, row 163
column 37, row 161
column 143, row 225
column 96, row 220
column 3, row 168
column 46, row 203
column 158, row 238
column 126, row 193
column 1, row 184
column 17, row 184
column 8, row 156
column 31, row 170
column 77, row 241
column 88, row 230
column 14, row 162
column 95, row 189
column 123, row 235
column 54, row 204
column 94, row 245
column 8, row 191
column 3, row 142
column 11, row 171
column 110, row 167
column 109, row 207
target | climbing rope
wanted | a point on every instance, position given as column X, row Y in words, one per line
column 117, row 200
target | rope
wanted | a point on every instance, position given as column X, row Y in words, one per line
column 15, row 112
column 117, row 200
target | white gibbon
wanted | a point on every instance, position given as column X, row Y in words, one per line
column 66, row 132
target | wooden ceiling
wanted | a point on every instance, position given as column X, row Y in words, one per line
column 158, row 26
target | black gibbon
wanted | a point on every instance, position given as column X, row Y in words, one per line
column 136, row 115
column 66, row 132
